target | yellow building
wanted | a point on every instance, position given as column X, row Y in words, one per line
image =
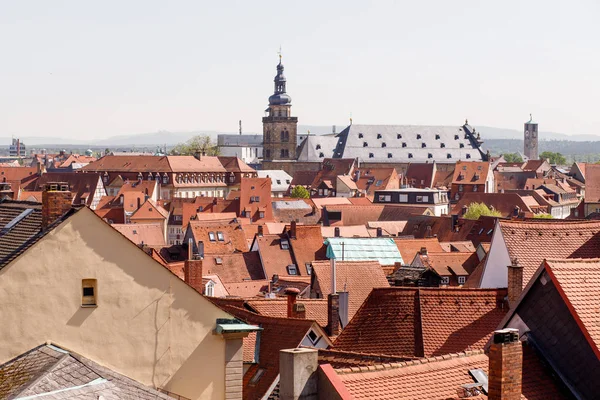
column 80, row 283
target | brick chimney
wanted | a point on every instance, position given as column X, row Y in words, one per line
column 56, row 201
column 515, row 282
column 192, row 269
column 506, row 365
column 294, row 309
column 293, row 230
column 260, row 231
column 333, row 314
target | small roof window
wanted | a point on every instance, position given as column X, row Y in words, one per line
column 292, row 270
column 211, row 236
column 371, row 155
column 220, row 236
column 285, row 244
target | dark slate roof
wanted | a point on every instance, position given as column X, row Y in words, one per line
column 21, row 228
column 375, row 143
column 49, row 372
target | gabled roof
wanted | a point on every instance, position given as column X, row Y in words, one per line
column 578, row 282
column 139, row 186
column 592, row 183
column 150, row 210
column 358, row 278
column 234, row 164
column 304, row 178
column 144, row 163
column 82, row 186
column 410, row 247
column 308, row 245
column 275, row 259
column 505, row 203
column 477, row 231
column 451, row 263
column 420, row 175
column 49, row 372
column 425, row 321
column 531, row 242
column 280, row 180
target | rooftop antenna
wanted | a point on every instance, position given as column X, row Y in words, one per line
column 240, row 126
column 350, row 118
column 530, row 117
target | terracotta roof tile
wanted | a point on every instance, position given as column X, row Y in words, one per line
column 358, row 278
column 275, row 259
column 316, row 309
column 415, row 322
column 531, row 242
column 234, row 238
column 149, row 234
column 410, row 247
column 149, row 210
column 347, row 359
column 579, row 280
column 441, row 378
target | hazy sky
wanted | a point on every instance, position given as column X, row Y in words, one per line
column 83, row 69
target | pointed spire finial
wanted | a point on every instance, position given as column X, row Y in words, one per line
column 530, row 117
column 279, row 52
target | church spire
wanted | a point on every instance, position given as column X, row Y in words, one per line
column 280, row 97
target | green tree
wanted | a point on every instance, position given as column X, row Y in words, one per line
column 476, row 210
column 300, row 192
column 543, row 216
column 553, row 158
column 201, row 143
column 513, row 157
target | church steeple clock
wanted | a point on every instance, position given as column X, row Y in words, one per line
column 279, row 127
column 530, row 139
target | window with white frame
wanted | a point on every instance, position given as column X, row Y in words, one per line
column 422, row 199
column 403, row 198
column 220, row 236
column 445, row 280
column 211, row 236
column 292, row 270
column 385, row 197
column 461, row 280
column 209, row 289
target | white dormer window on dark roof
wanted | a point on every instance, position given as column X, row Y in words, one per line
column 211, row 236
column 410, row 155
column 437, row 137
column 399, row 136
column 371, row 155
column 365, row 144
column 318, row 147
column 383, row 144
column 448, row 155
column 360, row 135
column 285, row 244
column 379, row 136
column 479, row 168
column 390, row 155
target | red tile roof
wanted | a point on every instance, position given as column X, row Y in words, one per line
column 592, row 183
column 149, row 210
column 316, row 309
column 440, row 378
column 471, row 173
column 426, row 321
column 233, row 236
column 247, row 288
column 505, row 203
column 410, row 247
column 358, row 278
column 531, row 242
column 451, row 263
column 420, row 175
column 275, row 260
column 233, row 268
column 308, row 244
column 578, row 281
column 149, row 234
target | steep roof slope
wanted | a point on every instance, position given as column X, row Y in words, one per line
column 531, row 242
column 427, row 321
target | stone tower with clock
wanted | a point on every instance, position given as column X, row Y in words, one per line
column 531, row 139
column 280, row 138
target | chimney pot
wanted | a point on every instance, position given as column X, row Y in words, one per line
column 292, row 294
column 56, row 201
column 515, row 282
column 260, row 230
column 336, row 231
column 423, row 251
column 379, row 231
column 333, row 314
column 293, row 229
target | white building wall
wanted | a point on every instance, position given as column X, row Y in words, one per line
column 495, row 272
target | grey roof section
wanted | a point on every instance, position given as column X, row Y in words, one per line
column 290, row 205
column 280, row 180
column 396, row 144
column 49, row 372
column 317, row 147
column 240, row 140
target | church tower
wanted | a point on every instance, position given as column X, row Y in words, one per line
column 531, row 139
column 279, row 127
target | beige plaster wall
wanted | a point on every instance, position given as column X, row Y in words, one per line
column 148, row 325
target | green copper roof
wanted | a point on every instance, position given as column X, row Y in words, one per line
column 383, row 250
column 234, row 325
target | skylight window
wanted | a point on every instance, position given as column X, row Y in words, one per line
column 379, row 136
column 218, row 260
column 379, row 183
column 220, row 236
column 371, row 155
column 211, row 236
column 285, row 244
column 410, row 155
column 292, row 270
